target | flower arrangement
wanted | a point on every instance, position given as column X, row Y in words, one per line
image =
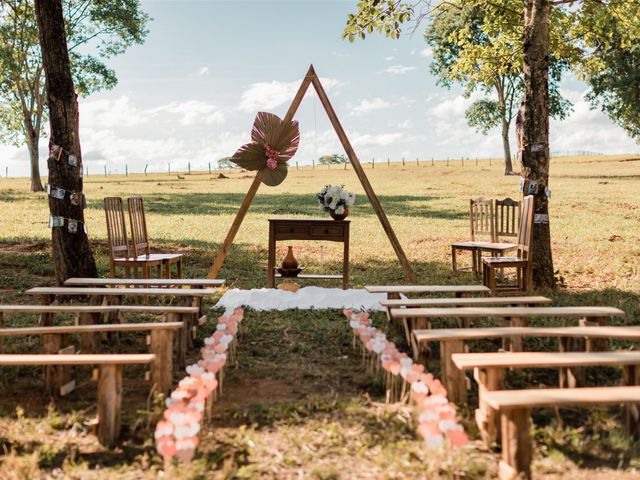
column 176, row 434
column 335, row 198
column 437, row 422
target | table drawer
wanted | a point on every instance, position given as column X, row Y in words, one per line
column 328, row 231
column 292, row 229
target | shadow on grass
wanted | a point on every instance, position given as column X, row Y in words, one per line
column 285, row 204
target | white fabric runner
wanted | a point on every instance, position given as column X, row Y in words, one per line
column 306, row 298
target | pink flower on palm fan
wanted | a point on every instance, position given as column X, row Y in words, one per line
column 274, row 142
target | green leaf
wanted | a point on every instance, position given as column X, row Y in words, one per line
column 275, row 177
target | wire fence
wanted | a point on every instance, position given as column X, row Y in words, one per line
column 213, row 167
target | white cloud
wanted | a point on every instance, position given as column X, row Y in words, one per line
column 388, row 59
column 203, row 71
column 399, row 69
column 426, row 52
column 269, row 95
column 405, row 124
column 366, row 105
column 192, row 112
column 450, row 107
column 379, row 140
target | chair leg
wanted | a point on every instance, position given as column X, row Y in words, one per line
column 474, row 261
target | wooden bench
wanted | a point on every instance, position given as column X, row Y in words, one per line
column 145, row 282
column 512, row 316
column 189, row 296
column 489, row 368
column 55, row 340
column 93, row 314
column 109, row 396
column 394, row 291
column 452, row 340
column 455, row 302
column 515, row 411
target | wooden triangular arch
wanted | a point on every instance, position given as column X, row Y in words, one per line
column 311, row 78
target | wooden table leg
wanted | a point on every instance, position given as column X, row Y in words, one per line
column 162, row 367
column 345, row 259
column 516, row 445
column 271, row 261
column 180, row 271
column 488, row 379
column 453, row 378
column 109, row 402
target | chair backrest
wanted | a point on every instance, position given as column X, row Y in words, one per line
column 116, row 229
column 507, row 218
column 481, row 217
column 139, row 238
column 525, row 232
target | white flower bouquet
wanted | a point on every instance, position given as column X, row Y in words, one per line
column 335, row 198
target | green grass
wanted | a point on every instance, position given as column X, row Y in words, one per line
column 299, row 403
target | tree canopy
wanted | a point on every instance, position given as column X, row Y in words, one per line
column 597, row 39
column 95, row 29
column 335, row 159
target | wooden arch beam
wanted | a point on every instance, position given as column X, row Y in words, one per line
column 311, row 78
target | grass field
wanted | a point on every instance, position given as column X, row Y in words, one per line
column 299, row 404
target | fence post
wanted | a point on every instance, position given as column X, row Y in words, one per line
column 169, row 168
column 403, row 161
column 209, row 168
column 388, row 162
column 145, row 169
column 489, row 161
column 476, row 161
column 345, row 164
column 373, row 163
column 432, row 162
column 126, row 170
column 417, row 161
column 189, row 167
column 462, row 159
column 313, row 163
column 87, row 174
column 447, row 161
column 6, row 172
column 297, row 168
column 105, row 170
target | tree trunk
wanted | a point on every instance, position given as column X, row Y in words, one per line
column 502, row 104
column 72, row 254
column 535, row 158
column 508, row 167
column 34, row 157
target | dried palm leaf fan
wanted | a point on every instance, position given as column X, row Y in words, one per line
column 274, row 142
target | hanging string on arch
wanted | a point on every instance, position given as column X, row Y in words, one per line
column 315, row 124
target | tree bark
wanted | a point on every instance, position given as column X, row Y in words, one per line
column 508, row 167
column 72, row 254
column 535, row 157
column 502, row 104
column 34, row 157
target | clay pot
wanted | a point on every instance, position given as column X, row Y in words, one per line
column 289, row 262
column 341, row 216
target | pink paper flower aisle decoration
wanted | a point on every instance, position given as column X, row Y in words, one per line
column 176, row 434
column 437, row 420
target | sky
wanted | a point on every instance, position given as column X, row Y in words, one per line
column 190, row 93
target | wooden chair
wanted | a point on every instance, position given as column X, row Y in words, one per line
column 140, row 239
column 119, row 250
column 482, row 224
column 521, row 262
column 506, row 224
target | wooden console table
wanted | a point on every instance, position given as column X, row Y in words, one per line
column 308, row 229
